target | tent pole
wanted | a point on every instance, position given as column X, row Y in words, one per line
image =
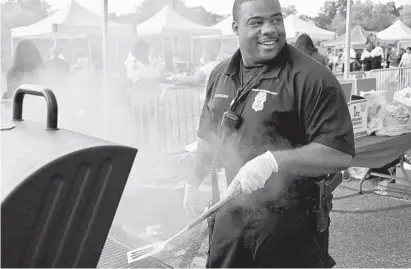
column 117, row 49
column 347, row 41
column 105, row 73
column 89, row 53
column 12, row 46
column 192, row 49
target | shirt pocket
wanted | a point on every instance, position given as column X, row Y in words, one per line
column 271, row 118
column 219, row 103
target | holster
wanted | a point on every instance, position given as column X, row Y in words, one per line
column 324, row 206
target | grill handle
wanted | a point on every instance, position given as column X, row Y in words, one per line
column 52, row 108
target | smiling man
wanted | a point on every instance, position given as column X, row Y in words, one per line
column 288, row 128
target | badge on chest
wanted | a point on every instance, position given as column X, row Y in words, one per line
column 259, row 101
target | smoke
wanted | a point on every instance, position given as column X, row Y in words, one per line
column 239, row 149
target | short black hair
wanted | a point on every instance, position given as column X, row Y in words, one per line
column 236, row 8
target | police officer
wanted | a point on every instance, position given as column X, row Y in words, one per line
column 294, row 128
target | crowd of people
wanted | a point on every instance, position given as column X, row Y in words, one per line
column 371, row 57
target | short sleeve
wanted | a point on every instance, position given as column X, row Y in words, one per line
column 327, row 119
column 207, row 128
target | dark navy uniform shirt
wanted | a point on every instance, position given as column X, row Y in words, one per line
column 292, row 102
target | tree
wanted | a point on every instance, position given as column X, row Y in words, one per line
column 22, row 12
column 330, row 9
column 405, row 15
column 338, row 24
column 393, row 9
column 305, row 18
column 372, row 17
column 289, row 10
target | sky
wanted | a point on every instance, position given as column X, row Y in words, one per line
column 223, row 7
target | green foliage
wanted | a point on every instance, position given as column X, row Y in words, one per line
column 370, row 15
column 405, row 15
column 289, row 10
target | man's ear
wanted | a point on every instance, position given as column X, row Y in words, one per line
column 235, row 28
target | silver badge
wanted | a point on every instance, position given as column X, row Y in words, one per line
column 259, row 101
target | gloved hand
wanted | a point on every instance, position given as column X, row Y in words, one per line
column 190, row 202
column 253, row 175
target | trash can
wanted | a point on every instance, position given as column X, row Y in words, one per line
column 60, row 189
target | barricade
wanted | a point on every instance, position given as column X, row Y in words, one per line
column 165, row 125
column 388, row 80
column 391, row 80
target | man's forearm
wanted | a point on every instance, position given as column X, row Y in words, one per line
column 313, row 160
column 202, row 164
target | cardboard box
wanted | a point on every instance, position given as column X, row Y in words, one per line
column 358, row 111
column 365, row 84
column 360, row 84
column 347, row 88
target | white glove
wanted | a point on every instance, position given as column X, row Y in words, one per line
column 253, row 175
column 190, row 202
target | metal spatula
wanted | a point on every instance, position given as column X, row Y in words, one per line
column 155, row 248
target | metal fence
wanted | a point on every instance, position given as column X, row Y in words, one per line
column 388, row 80
column 165, row 125
column 391, row 80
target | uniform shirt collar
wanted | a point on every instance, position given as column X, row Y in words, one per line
column 270, row 70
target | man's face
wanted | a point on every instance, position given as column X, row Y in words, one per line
column 261, row 31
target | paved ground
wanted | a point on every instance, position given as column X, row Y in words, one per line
column 367, row 230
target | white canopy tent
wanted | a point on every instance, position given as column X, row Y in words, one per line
column 167, row 22
column 73, row 21
column 358, row 38
column 295, row 26
column 70, row 20
column 396, row 32
column 226, row 27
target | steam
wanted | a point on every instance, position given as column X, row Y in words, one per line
column 237, row 151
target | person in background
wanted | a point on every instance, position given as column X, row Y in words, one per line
column 378, row 55
column 406, row 59
column 306, row 45
column 168, row 55
column 82, row 63
column 329, row 57
column 143, row 95
column 57, row 63
column 288, row 127
column 138, row 65
column 366, row 58
column 26, row 68
column 203, row 72
column 394, row 58
column 401, row 53
column 353, row 59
